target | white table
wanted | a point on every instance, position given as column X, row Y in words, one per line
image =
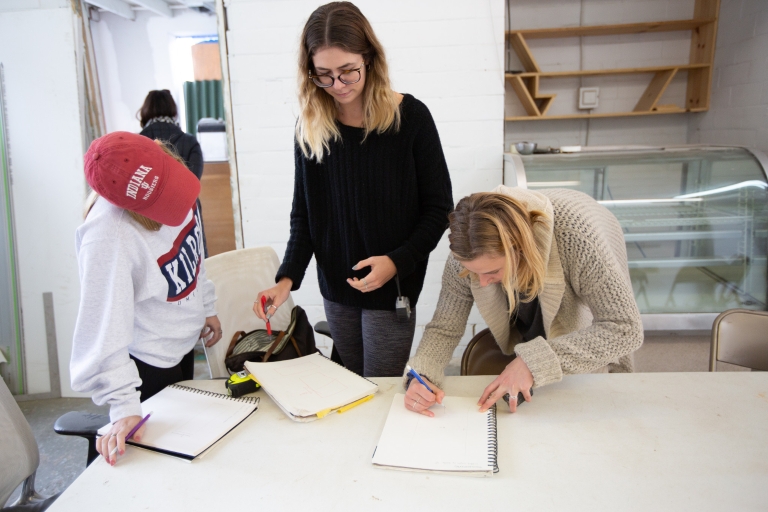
column 645, row 441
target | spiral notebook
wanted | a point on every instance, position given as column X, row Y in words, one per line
column 458, row 440
column 311, row 387
column 186, row 422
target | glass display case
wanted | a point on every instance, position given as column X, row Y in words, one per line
column 695, row 221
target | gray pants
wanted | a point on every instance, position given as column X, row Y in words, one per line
column 370, row 342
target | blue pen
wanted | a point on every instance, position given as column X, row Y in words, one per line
column 416, row 376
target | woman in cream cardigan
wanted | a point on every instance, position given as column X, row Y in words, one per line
column 551, row 264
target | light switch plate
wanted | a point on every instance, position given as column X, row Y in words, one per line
column 588, row 97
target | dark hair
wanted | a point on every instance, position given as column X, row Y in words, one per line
column 157, row 104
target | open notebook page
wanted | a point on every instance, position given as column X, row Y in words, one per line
column 458, row 439
column 307, row 385
column 186, row 422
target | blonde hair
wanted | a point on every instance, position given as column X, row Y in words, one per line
column 342, row 25
column 488, row 224
column 145, row 222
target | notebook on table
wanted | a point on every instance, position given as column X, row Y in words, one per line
column 311, row 387
column 458, row 440
column 186, row 422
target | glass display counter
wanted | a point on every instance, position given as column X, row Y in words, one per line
column 695, row 221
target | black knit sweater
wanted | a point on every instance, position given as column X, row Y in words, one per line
column 185, row 145
column 390, row 195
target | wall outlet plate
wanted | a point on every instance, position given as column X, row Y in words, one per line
column 588, row 97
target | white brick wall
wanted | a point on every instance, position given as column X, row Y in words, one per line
column 447, row 54
column 617, row 93
column 739, row 105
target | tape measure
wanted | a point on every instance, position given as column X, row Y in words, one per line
column 241, row 383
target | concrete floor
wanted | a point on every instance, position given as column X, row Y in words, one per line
column 62, row 458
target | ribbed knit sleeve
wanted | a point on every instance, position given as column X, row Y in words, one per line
column 592, row 252
column 443, row 333
column 435, row 196
column 299, row 251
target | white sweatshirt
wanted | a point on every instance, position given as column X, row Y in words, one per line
column 142, row 293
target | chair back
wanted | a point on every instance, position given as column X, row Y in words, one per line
column 238, row 276
column 483, row 355
column 740, row 336
column 19, row 456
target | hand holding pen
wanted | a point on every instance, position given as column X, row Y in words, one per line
column 109, row 444
column 422, row 394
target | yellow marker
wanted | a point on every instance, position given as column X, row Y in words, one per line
column 355, row 404
column 326, row 412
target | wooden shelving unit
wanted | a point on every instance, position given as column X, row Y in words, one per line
column 703, row 27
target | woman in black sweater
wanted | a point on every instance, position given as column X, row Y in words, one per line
column 158, row 118
column 372, row 192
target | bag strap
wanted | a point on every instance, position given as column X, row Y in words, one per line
column 273, row 346
column 296, row 346
column 235, row 338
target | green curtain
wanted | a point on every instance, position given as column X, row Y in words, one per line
column 202, row 99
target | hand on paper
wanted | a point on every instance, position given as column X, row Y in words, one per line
column 419, row 399
column 382, row 270
column 278, row 294
column 516, row 378
column 211, row 332
column 116, row 437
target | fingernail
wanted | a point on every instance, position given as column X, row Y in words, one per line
column 354, row 268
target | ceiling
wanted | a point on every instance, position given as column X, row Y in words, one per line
column 127, row 8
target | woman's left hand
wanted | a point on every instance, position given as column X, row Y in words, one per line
column 516, row 378
column 382, row 270
column 211, row 332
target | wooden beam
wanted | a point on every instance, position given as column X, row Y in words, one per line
column 605, row 114
column 115, row 7
column 598, row 72
column 523, row 52
column 524, row 95
column 702, row 51
column 156, row 6
column 609, row 30
column 655, row 89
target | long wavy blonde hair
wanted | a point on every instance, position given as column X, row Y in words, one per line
column 145, row 222
column 489, row 224
column 341, row 25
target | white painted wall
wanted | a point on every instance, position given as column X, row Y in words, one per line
column 738, row 112
column 616, row 92
column 136, row 56
column 38, row 53
column 447, row 54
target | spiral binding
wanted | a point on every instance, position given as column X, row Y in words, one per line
column 493, row 443
column 245, row 399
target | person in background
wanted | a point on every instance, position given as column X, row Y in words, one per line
column 548, row 272
column 145, row 300
column 158, row 117
column 372, row 192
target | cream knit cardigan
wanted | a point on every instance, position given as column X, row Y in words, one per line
column 590, row 316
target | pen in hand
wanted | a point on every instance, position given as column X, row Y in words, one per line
column 132, row 431
column 416, row 376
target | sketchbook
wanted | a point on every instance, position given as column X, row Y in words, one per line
column 458, row 440
column 186, row 422
column 311, row 387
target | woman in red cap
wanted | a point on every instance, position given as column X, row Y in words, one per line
column 145, row 300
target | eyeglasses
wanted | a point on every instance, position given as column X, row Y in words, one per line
column 349, row 77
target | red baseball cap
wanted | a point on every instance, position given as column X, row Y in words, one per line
column 132, row 172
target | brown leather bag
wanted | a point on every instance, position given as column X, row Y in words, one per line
column 296, row 341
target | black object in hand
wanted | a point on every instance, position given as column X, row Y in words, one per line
column 520, row 397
